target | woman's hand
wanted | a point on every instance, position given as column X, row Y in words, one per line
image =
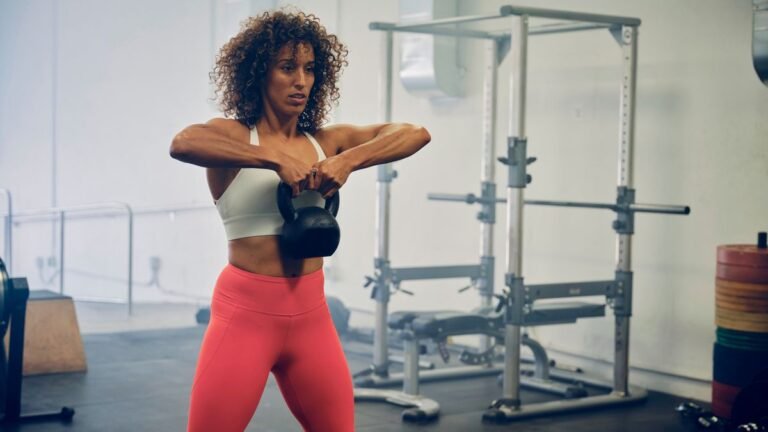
column 329, row 175
column 294, row 172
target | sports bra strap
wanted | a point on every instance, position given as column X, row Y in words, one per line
column 318, row 149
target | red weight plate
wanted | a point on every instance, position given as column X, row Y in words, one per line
column 722, row 398
column 753, row 275
column 744, row 255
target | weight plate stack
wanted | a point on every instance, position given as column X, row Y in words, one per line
column 741, row 316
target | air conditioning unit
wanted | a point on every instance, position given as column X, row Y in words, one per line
column 429, row 64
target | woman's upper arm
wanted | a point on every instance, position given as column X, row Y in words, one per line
column 232, row 129
column 218, row 178
column 343, row 137
column 201, row 132
column 216, row 126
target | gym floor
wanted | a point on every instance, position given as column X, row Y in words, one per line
column 138, row 380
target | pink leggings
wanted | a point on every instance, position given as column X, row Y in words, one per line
column 260, row 324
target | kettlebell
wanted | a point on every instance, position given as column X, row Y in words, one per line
column 308, row 231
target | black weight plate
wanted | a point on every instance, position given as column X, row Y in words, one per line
column 735, row 366
column 751, row 404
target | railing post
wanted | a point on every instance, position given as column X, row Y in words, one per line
column 62, row 217
column 130, row 259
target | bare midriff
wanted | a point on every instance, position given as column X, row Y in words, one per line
column 262, row 255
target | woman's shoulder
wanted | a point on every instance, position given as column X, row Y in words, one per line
column 232, row 128
column 225, row 124
column 333, row 132
column 332, row 128
column 331, row 136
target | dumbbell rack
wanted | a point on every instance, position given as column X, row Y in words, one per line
column 521, row 308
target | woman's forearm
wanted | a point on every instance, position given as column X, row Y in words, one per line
column 392, row 143
column 209, row 147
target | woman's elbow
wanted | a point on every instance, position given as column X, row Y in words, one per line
column 179, row 148
column 424, row 134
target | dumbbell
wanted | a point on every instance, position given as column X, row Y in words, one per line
column 752, row 427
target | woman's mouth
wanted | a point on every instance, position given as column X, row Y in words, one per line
column 298, row 97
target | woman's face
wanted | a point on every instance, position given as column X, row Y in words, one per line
column 290, row 79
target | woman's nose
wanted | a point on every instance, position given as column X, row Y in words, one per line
column 301, row 79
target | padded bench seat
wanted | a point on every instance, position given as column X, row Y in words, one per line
column 440, row 324
column 445, row 324
column 398, row 320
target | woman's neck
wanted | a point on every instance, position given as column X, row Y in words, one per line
column 273, row 124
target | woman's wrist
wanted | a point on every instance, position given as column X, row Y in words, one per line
column 350, row 157
column 270, row 158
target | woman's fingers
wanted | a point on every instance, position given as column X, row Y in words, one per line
column 328, row 188
column 296, row 188
column 314, row 178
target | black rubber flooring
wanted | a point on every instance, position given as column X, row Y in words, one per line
column 140, row 381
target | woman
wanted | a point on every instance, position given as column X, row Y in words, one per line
column 276, row 80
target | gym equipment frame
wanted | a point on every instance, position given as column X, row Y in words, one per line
column 14, row 293
column 386, row 278
column 520, row 307
column 8, row 228
column 481, row 275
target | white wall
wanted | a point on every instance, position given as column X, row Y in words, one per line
column 108, row 84
column 26, row 101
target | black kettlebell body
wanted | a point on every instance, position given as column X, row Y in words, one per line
column 308, row 231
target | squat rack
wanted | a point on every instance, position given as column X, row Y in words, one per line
column 520, row 308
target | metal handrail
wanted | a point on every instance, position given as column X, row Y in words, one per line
column 61, row 212
column 177, row 208
column 91, row 211
column 35, row 215
column 8, row 230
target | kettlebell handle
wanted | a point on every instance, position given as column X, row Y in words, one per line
column 288, row 211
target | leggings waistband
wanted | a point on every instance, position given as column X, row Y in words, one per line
column 270, row 294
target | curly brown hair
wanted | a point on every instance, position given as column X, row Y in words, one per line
column 242, row 65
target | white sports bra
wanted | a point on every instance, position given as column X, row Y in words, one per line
column 248, row 207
